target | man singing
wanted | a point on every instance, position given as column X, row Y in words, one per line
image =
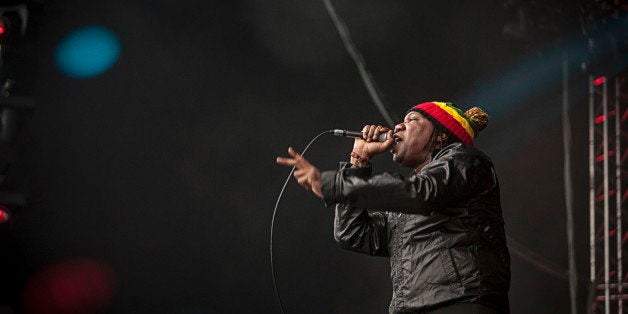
column 441, row 226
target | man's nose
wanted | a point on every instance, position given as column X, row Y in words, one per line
column 399, row 127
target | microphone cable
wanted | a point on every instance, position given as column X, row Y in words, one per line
column 272, row 222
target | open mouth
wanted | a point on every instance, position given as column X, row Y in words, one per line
column 397, row 139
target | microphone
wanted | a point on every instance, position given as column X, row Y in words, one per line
column 354, row 134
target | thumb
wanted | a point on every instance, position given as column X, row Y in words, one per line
column 390, row 140
column 389, row 137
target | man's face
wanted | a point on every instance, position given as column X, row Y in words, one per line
column 412, row 140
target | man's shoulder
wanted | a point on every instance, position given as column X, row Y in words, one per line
column 460, row 151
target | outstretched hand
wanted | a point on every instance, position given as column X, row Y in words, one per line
column 308, row 176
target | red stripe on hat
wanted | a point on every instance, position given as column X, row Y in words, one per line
column 449, row 122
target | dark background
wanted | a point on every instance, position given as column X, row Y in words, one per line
column 163, row 167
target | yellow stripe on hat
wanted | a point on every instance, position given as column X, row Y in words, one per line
column 456, row 115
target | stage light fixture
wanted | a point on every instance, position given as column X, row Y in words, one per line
column 4, row 214
column 599, row 81
column 13, row 22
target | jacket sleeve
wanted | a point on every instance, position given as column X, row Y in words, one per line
column 452, row 176
column 358, row 230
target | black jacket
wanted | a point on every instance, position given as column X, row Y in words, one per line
column 442, row 228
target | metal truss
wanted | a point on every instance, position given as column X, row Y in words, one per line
column 608, row 134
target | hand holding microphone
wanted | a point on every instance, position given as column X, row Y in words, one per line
column 375, row 140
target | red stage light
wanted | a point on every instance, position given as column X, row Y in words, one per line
column 4, row 216
column 600, row 80
column 603, row 156
column 80, row 285
column 600, row 198
column 600, row 119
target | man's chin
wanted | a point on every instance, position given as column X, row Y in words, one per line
column 396, row 158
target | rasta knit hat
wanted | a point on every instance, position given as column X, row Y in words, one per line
column 463, row 125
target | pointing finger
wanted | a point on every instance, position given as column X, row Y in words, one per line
column 286, row 161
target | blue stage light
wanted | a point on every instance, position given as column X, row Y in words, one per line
column 87, row 52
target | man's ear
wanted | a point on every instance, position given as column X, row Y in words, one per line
column 441, row 137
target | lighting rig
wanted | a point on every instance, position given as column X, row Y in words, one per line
column 16, row 77
column 608, row 150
